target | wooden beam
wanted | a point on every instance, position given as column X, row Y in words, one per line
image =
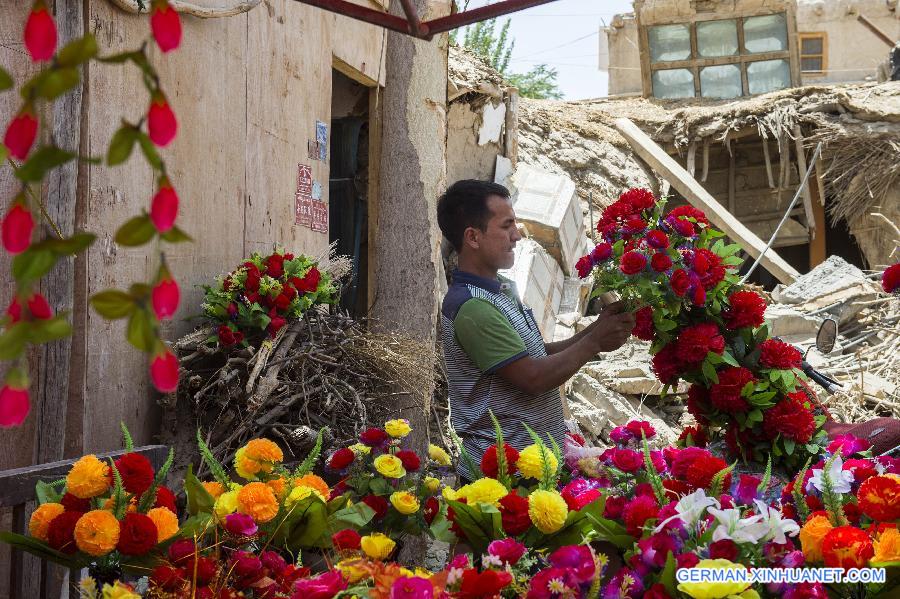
column 768, row 158
column 807, row 195
column 876, row 30
column 817, row 244
column 671, row 171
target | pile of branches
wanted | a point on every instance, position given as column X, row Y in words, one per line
column 324, row 371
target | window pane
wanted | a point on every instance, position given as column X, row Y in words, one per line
column 768, row 75
column 670, row 42
column 721, row 82
column 765, row 34
column 673, row 83
column 808, row 65
column 717, row 38
column 811, row 45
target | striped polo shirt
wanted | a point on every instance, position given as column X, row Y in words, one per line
column 488, row 334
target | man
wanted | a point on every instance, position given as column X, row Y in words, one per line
column 495, row 357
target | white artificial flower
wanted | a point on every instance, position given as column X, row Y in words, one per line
column 778, row 525
column 690, row 509
column 840, row 479
column 732, row 526
column 488, row 560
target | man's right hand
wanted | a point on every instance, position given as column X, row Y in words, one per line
column 612, row 328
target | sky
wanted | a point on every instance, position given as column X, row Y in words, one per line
column 564, row 35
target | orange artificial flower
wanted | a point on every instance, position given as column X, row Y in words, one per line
column 257, row 500
column 879, row 497
column 847, row 547
column 132, row 505
column 41, row 519
column 887, row 547
column 278, row 486
column 811, row 536
column 258, row 455
column 315, row 483
column 89, row 477
column 213, row 488
column 97, row 532
column 166, row 523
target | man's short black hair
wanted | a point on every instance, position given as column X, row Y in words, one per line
column 464, row 205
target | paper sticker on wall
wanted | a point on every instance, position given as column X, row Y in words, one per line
column 303, row 210
column 319, row 216
column 316, row 190
column 304, row 179
column 312, row 149
column 322, row 139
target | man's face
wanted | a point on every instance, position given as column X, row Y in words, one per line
column 496, row 244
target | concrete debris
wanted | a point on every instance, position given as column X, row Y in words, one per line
column 576, row 295
column 788, row 321
column 539, row 282
column 628, row 370
column 492, row 119
column 833, row 275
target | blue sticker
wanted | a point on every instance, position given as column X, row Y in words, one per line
column 322, row 139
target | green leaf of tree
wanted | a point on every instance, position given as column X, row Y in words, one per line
column 57, row 82
column 113, row 304
column 78, row 51
column 121, row 144
column 68, row 246
column 175, row 235
column 44, row 331
column 12, row 341
column 137, row 231
column 6, row 81
column 141, row 331
column 32, row 264
column 149, row 150
column 42, row 161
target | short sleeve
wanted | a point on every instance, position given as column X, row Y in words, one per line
column 487, row 336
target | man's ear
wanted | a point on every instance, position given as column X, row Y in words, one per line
column 471, row 238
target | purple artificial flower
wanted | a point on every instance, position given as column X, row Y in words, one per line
column 240, row 524
column 620, row 435
column 848, row 444
column 553, row 582
column 324, row 586
column 509, row 551
column 412, row 588
column 626, row 584
column 577, row 559
column 746, row 489
column 656, row 547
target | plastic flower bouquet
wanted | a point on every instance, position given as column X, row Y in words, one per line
column 264, row 293
column 706, row 329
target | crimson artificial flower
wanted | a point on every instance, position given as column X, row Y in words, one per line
column 282, row 301
column 847, row 547
column 410, row 460
column 39, row 308
column 17, row 227
column 578, row 502
column 75, row 504
column 164, row 206
column 275, row 266
column 489, row 465
column 627, row 460
column 205, row 570
column 632, row 263
column 745, row 309
column 636, row 513
column 275, row 323
column 14, row 405
column 657, row 591
column 890, row 279
column 726, row 394
column 701, row 471
column 614, row 507
column 165, row 296
column 342, row 458
column 601, row 252
column 373, row 437
column 61, row 532
column 680, row 282
column 660, row 262
column 166, row 498
column 643, row 324
column 666, row 365
column 584, row 267
column 346, row 540
column 164, row 371
column 246, row 569
column 182, row 552
column 378, row 504
column 775, row 353
column 695, row 342
column 638, row 199
column 430, row 510
column 227, row 337
column 136, row 472
column 137, row 534
column 165, row 25
column 698, row 404
column 676, row 489
column 514, row 514
column 310, row 281
column 40, row 33
column 688, row 212
column 14, row 310
column 724, row 549
column 251, row 282
column 167, row 578
column 791, row 418
column 21, row 133
column 483, row 585
column 161, row 122
column 657, row 239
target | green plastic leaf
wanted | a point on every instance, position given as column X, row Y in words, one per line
column 57, row 82
column 310, row 461
column 45, row 331
column 78, row 51
column 141, row 331
column 148, row 499
column 137, row 231
column 121, row 144
column 46, row 493
column 149, row 151
column 6, row 81
column 309, row 527
column 113, row 304
column 356, row 516
column 176, row 235
column 68, row 246
column 667, row 577
column 212, row 463
column 198, row 498
column 13, row 340
column 40, row 549
column 729, row 359
column 4, row 154
column 709, row 371
column 32, row 264
column 789, row 446
column 41, row 162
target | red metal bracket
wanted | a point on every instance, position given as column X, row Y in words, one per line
column 412, row 25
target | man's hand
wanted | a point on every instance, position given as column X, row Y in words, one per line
column 612, row 328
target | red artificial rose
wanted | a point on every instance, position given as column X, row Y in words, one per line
column 634, row 224
column 161, row 122
column 680, row 282
column 657, row 239
column 638, row 199
column 614, row 507
column 725, row 549
column 683, row 227
column 75, row 504
column 666, row 365
column 660, row 262
column 431, row 510
column 745, row 309
column 275, row 266
column 14, row 404
column 514, row 514
column 483, row 585
column 489, row 465
column 20, row 134
column 166, row 498
column 205, row 569
column 227, row 337
column 165, row 25
column 346, row 540
column 698, row 405
column 282, row 302
column 640, row 429
column 137, row 534
column 627, row 460
column 775, row 353
column 373, row 437
column 726, row 394
column 342, row 458
column 14, row 310
column 657, row 591
column 378, row 504
column 683, row 458
column 39, row 307
column 702, row 470
column 601, row 252
column 708, row 266
column 182, row 552
column 890, row 279
column 164, row 372
column 410, row 460
column 584, row 266
column 136, row 472
column 61, row 532
column 310, row 281
column 643, row 324
column 696, row 341
column 637, row 512
column 578, row 502
column 632, row 263
column 164, row 206
column 17, row 228
column 791, row 418
column 165, row 296
column 687, row 212
column 251, row 281
column 167, row 578
column 40, row 33
column 275, row 324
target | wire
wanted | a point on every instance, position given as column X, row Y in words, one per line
column 594, row 55
column 569, row 43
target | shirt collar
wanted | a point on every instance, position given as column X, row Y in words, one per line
column 466, row 278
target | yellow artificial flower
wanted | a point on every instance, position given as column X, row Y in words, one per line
column 548, row 510
column 315, row 483
column 432, row 485
column 405, row 502
column 360, row 449
column 41, row 518
column 257, row 500
column 389, row 466
column 440, row 457
column 87, row 588
column 89, row 477
column 97, row 532
column 398, row 428
column 811, row 536
column 226, row 503
column 485, row 490
column 166, row 523
column 214, row 488
column 353, row 569
column 377, row 546
column 298, row 494
column 530, row 463
column 716, row 590
column 450, row 494
column 119, row 590
column 887, row 547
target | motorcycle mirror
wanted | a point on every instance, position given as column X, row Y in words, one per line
column 827, row 336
